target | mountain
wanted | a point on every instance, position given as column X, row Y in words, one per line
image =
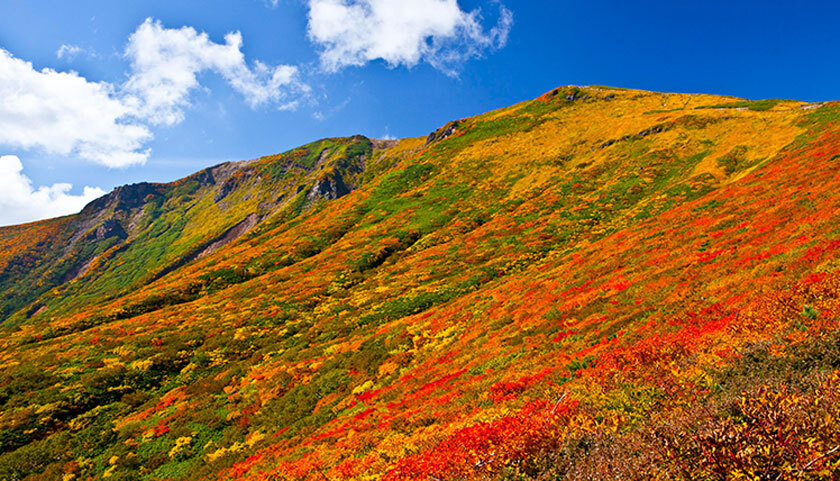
column 599, row 283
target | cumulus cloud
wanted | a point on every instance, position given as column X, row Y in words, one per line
column 64, row 113
column 402, row 32
column 20, row 202
column 165, row 63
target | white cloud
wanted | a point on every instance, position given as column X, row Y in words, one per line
column 401, row 32
column 63, row 113
column 68, row 51
column 166, row 62
column 20, row 202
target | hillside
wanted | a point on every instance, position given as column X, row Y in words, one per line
column 596, row 284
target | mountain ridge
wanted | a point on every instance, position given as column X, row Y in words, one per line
column 481, row 303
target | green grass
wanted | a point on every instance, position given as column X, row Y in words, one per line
column 755, row 105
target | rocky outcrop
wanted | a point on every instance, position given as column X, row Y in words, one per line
column 230, row 235
column 123, row 198
column 108, row 229
column 227, row 187
column 330, row 186
column 442, row 133
column 656, row 129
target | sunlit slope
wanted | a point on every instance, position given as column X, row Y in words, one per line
column 479, row 299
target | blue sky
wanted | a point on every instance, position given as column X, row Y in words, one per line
column 154, row 99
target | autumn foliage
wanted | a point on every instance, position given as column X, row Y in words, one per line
column 596, row 284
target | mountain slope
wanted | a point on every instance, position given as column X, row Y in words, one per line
column 140, row 232
column 574, row 270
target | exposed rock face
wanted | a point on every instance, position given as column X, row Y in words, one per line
column 230, row 235
column 109, row 228
column 384, row 143
column 125, row 197
column 644, row 133
column 331, row 186
column 203, row 177
column 443, row 132
column 227, row 187
column 111, row 216
column 228, row 177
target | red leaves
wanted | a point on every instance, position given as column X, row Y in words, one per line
column 364, row 414
column 490, row 446
column 431, row 386
column 504, row 391
column 618, row 284
column 627, row 311
column 709, row 256
column 351, row 468
column 815, row 278
column 160, row 429
column 242, row 468
column 367, row 395
column 563, row 335
column 817, row 252
column 166, row 402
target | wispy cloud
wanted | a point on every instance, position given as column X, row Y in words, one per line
column 321, row 115
column 68, row 51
